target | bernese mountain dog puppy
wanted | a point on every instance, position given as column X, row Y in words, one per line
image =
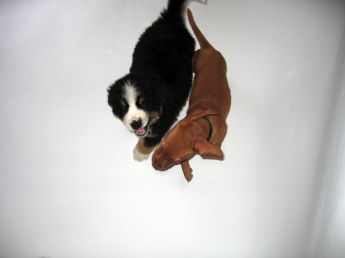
column 149, row 98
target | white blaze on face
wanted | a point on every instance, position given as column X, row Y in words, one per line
column 134, row 113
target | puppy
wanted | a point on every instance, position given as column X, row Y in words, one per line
column 204, row 128
column 149, row 98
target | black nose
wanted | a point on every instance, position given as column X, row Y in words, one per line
column 136, row 124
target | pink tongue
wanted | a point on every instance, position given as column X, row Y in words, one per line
column 140, row 131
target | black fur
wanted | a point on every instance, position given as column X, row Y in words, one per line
column 161, row 70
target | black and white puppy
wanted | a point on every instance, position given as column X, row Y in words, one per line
column 149, row 98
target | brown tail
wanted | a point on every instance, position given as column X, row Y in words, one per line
column 200, row 37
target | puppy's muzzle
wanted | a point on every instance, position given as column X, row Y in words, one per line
column 161, row 162
column 156, row 164
column 136, row 124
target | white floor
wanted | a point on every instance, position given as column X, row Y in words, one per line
column 69, row 186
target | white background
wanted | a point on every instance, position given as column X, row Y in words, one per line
column 69, row 186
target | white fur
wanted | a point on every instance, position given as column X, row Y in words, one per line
column 137, row 156
column 134, row 113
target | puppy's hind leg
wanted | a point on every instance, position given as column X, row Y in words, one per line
column 141, row 152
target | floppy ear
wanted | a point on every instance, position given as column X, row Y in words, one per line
column 207, row 149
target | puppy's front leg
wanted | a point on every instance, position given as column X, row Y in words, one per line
column 141, row 152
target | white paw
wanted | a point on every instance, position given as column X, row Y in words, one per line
column 137, row 156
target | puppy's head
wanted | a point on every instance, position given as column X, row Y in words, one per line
column 135, row 106
column 176, row 147
column 182, row 141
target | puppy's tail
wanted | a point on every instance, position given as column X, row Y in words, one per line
column 178, row 7
column 198, row 34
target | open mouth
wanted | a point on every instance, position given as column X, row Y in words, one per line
column 142, row 131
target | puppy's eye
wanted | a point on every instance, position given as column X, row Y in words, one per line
column 141, row 103
column 123, row 105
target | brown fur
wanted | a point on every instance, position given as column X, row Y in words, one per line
column 210, row 96
column 142, row 149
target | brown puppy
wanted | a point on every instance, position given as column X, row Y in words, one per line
column 204, row 128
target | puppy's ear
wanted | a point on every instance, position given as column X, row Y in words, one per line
column 207, row 149
column 115, row 90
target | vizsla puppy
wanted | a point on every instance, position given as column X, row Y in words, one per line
column 204, row 128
